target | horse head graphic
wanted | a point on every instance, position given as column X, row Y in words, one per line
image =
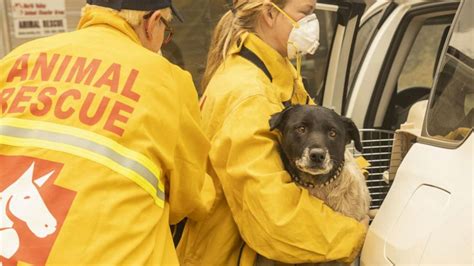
column 23, row 200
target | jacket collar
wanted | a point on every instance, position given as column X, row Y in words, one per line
column 280, row 68
column 105, row 18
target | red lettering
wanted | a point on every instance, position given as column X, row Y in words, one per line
column 111, row 78
column 20, row 98
column 99, row 113
column 45, row 98
column 62, row 68
column 127, row 89
column 5, row 94
column 59, row 111
column 80, row 71
column 19, row 69
column 116, row 116
column 46, row 69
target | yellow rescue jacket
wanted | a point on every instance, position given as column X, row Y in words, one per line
column 101, row 148
column 258, row 208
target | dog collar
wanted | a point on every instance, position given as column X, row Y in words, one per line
column 335, row 175
column 294, row 174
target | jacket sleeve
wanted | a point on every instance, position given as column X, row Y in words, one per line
column 275, row 217
column 191, row 191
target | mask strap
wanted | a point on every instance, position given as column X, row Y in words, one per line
column 298, row 72
column 298, row 65
column 298, row 60
column 293, row 22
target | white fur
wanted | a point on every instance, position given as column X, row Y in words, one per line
column 348, row 194
column 303, row 164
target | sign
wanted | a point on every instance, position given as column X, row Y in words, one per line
column 37, row 18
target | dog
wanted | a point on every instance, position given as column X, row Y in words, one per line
column 313, row 150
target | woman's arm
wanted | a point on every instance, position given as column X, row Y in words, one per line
column 275, row 217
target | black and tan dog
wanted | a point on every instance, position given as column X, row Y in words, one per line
column 313, row 148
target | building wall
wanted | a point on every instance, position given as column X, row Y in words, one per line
column 191, row 41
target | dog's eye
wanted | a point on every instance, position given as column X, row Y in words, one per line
column 332, row 133
column 301, row 129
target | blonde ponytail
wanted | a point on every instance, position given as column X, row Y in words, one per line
column 231, row 26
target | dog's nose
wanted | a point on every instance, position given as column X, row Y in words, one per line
column 317, row 155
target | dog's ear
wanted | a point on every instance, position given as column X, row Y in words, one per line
column 352, row 133
column 276, row 119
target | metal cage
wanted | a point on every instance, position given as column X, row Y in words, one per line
column 377, row 150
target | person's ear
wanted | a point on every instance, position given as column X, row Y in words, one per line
column 268, row 15
column 151, row 23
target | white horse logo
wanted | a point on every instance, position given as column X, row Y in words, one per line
column 24, row 201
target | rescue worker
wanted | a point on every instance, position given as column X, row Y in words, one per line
column 101, row 146
column 258, row 209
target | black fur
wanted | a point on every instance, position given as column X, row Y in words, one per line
column 318, row 122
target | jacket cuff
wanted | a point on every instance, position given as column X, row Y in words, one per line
column 361, row 234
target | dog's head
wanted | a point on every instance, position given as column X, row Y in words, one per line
column 314, row 140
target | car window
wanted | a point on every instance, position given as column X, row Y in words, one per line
column 451, row 110
column 420, row 64
column 314, row 67
column 363, row 40
column 416, row 77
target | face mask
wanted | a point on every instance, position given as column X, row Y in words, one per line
column 304, row 37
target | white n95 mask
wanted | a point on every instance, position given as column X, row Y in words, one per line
column 305, row 38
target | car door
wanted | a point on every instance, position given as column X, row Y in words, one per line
column 390, row 68
column 400, row 60
column 426, row 217
column 325, row 71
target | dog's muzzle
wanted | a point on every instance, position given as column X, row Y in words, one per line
column 315, row 161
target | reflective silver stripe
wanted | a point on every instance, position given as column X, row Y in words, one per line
column 84, row 144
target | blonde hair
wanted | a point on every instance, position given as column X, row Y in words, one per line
column 242, row 18
column 133, row 17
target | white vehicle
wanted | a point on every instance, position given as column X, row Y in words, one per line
column 383, row 65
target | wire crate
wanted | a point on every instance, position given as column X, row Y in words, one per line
column 377, row 150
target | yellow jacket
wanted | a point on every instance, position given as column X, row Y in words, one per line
column 256, row 201
column 109, row 135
